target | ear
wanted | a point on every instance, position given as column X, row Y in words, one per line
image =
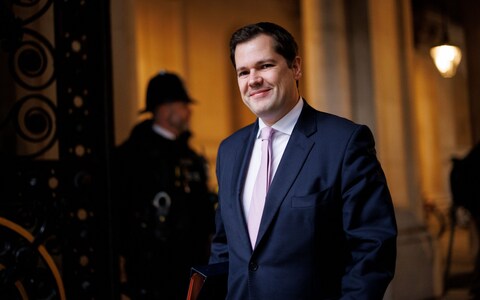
column 297, row 67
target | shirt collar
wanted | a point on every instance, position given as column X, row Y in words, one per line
column 163, row 132
column 287, row 123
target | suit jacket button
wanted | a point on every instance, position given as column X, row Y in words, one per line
column 252, row 266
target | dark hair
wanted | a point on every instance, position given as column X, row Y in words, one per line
column 285, row 44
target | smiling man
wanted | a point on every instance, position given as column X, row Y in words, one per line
column 304, row 211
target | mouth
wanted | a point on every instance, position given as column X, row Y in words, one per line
column 259, row 93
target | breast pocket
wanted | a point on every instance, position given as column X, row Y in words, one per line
column 312, row 200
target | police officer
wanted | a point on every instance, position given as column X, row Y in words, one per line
column 165, row 209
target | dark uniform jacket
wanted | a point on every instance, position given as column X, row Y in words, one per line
column 164, row 212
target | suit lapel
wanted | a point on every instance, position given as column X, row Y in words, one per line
column 241, row 163
column 298, row 147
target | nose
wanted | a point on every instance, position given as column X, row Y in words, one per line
column 254, row 79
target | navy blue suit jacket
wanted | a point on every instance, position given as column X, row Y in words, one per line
column 328, row 229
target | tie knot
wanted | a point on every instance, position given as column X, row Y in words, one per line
column 266, row 133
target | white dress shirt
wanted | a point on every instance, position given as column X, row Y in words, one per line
column 163, row 132
column 281, row 136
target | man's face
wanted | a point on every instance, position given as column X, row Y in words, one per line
column 178, row 116
column 267, row 85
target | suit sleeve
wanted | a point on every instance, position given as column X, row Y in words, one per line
column 368, row 220
column 219, row 247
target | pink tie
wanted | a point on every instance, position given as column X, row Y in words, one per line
column 261, row 185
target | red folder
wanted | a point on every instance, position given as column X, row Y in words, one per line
column 208, row 282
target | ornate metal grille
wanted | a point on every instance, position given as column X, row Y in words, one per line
column 55, row 139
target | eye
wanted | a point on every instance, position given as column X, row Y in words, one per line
column 266, row 66
column 242, row 73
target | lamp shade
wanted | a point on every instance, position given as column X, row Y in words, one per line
column 446, row 58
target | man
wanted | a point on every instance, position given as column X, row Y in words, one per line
column 166, row 214
column 328, row 229
column 463, row 184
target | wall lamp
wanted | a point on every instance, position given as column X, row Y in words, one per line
column 446, row 56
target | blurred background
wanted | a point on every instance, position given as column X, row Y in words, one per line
column 73, row 76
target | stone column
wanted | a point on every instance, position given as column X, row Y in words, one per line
column 125, row 84
column 392, row 57
column 326, row 70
